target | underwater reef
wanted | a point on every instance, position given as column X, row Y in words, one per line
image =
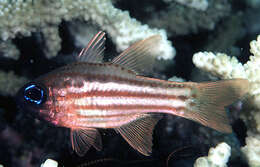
column 202, row 40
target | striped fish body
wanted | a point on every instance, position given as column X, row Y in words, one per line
column 109, row 96
column 90, row 94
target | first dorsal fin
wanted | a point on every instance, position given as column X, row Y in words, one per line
column 94, row 51
column 83, row 139
column 140, row 56
column 139, row 133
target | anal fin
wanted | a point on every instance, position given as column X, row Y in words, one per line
column 139, row 133
column 83, row 139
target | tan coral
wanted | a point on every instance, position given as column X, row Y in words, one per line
column 196, row 4
column 24, row 17
column 10, row 83
column 217, row 157
column 252, row 150
column 9, row 50
column 226, row 67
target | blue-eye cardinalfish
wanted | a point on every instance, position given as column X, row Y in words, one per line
column 91, row 94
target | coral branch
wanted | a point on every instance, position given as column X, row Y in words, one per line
column 217, row 157
column 24, row 17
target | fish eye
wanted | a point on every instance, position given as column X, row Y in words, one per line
column 34, row 94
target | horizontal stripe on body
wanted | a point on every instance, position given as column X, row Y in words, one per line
column 119, row 110
column 94, row 88
column 109, row 102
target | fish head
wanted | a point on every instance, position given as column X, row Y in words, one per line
column 34, row 98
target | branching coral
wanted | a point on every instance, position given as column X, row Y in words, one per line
column 217, row 157
column 225, row 36
column 49, row 163
column 196, row 4
column 227, row 67
column 10, row 83
column 253, row 3
column 24, row 17
column 9, row 50
column 252, row 150
column 177, row 19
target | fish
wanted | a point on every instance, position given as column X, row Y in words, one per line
column 90, row 94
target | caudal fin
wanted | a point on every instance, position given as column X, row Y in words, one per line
column 210, row 98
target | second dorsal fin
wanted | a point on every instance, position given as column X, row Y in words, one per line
column 139, row 57
column 94, row 51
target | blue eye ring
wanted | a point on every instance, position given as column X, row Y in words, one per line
column 40, row 92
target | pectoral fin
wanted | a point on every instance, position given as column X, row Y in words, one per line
column 139, row 133
column 83, row 139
